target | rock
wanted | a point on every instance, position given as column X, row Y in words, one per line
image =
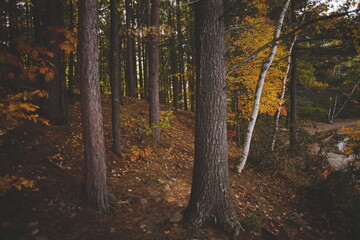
column 167, row 188
column 160, row 181
column 154, row 194
column 35, row 231
column 176, row 217
column 143, row 201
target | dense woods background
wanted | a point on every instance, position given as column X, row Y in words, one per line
column 255, row 75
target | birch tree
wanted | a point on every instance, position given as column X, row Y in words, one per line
column 265, row 67
column 283, row 89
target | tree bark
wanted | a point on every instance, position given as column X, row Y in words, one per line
column 154, row 101
column 210, row 194
column 173, row 64
column 55, row 105
column 115, row 75
column 293, row 99
column 265, row 67
column 94, row 148
column 71, row 57
column 129, row 51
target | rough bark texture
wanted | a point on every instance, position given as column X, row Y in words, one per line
column 154, row 101
column 210, row 197
column 264, row 69
column 129, row 52
column 94, row 149
column 55, row 105
column 115, row 75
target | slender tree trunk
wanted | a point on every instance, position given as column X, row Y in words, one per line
column 129, row 51
column 55, row 105
column 283, row 90
column 154, row 101
column 334, row 113
column 265, row 67
column 94, row 148
column 115, row 75
column 293, row 99
column 140, row 63
column 173, row 64
column 210, row 196
column 71, row 57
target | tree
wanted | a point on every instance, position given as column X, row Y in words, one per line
column 129, row 51
column 94, row 148
column 210, row 196
column 115, row 75
column 265, row 67
column 56, row 109
column 154, row 101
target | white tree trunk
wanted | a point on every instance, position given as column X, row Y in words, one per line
column 335, row 114
column 265, row 67
column 283, row 90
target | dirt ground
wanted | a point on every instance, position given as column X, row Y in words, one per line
column 149, row 185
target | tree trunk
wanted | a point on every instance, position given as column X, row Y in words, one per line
column 283, row 90
column 94, row 148
column 71, row 57
column 265, row 67
column 115, row 75
column 173, row 64
column 210, row 197
column 55, row 105
column 293, row 99
column 129, row 51
column 154, row 101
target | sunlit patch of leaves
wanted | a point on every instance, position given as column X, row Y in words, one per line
column 11, row 181
column 15, row 107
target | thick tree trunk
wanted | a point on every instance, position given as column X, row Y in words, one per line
column 265, row 67
column 130, row 76
column 115, row 75
column 210, row 194
column 94, row 148
column 154, row 101
column 55, row 105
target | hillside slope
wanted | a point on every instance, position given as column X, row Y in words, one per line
column 149, row 185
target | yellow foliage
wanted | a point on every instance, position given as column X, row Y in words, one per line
column 8, row 181
column 13, row 108
column 353, row 145
column 241, row 44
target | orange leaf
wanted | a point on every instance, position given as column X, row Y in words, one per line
column 49, row 76
column 50, row 54
column 43, row 70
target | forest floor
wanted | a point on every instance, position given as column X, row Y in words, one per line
column 149, row 185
